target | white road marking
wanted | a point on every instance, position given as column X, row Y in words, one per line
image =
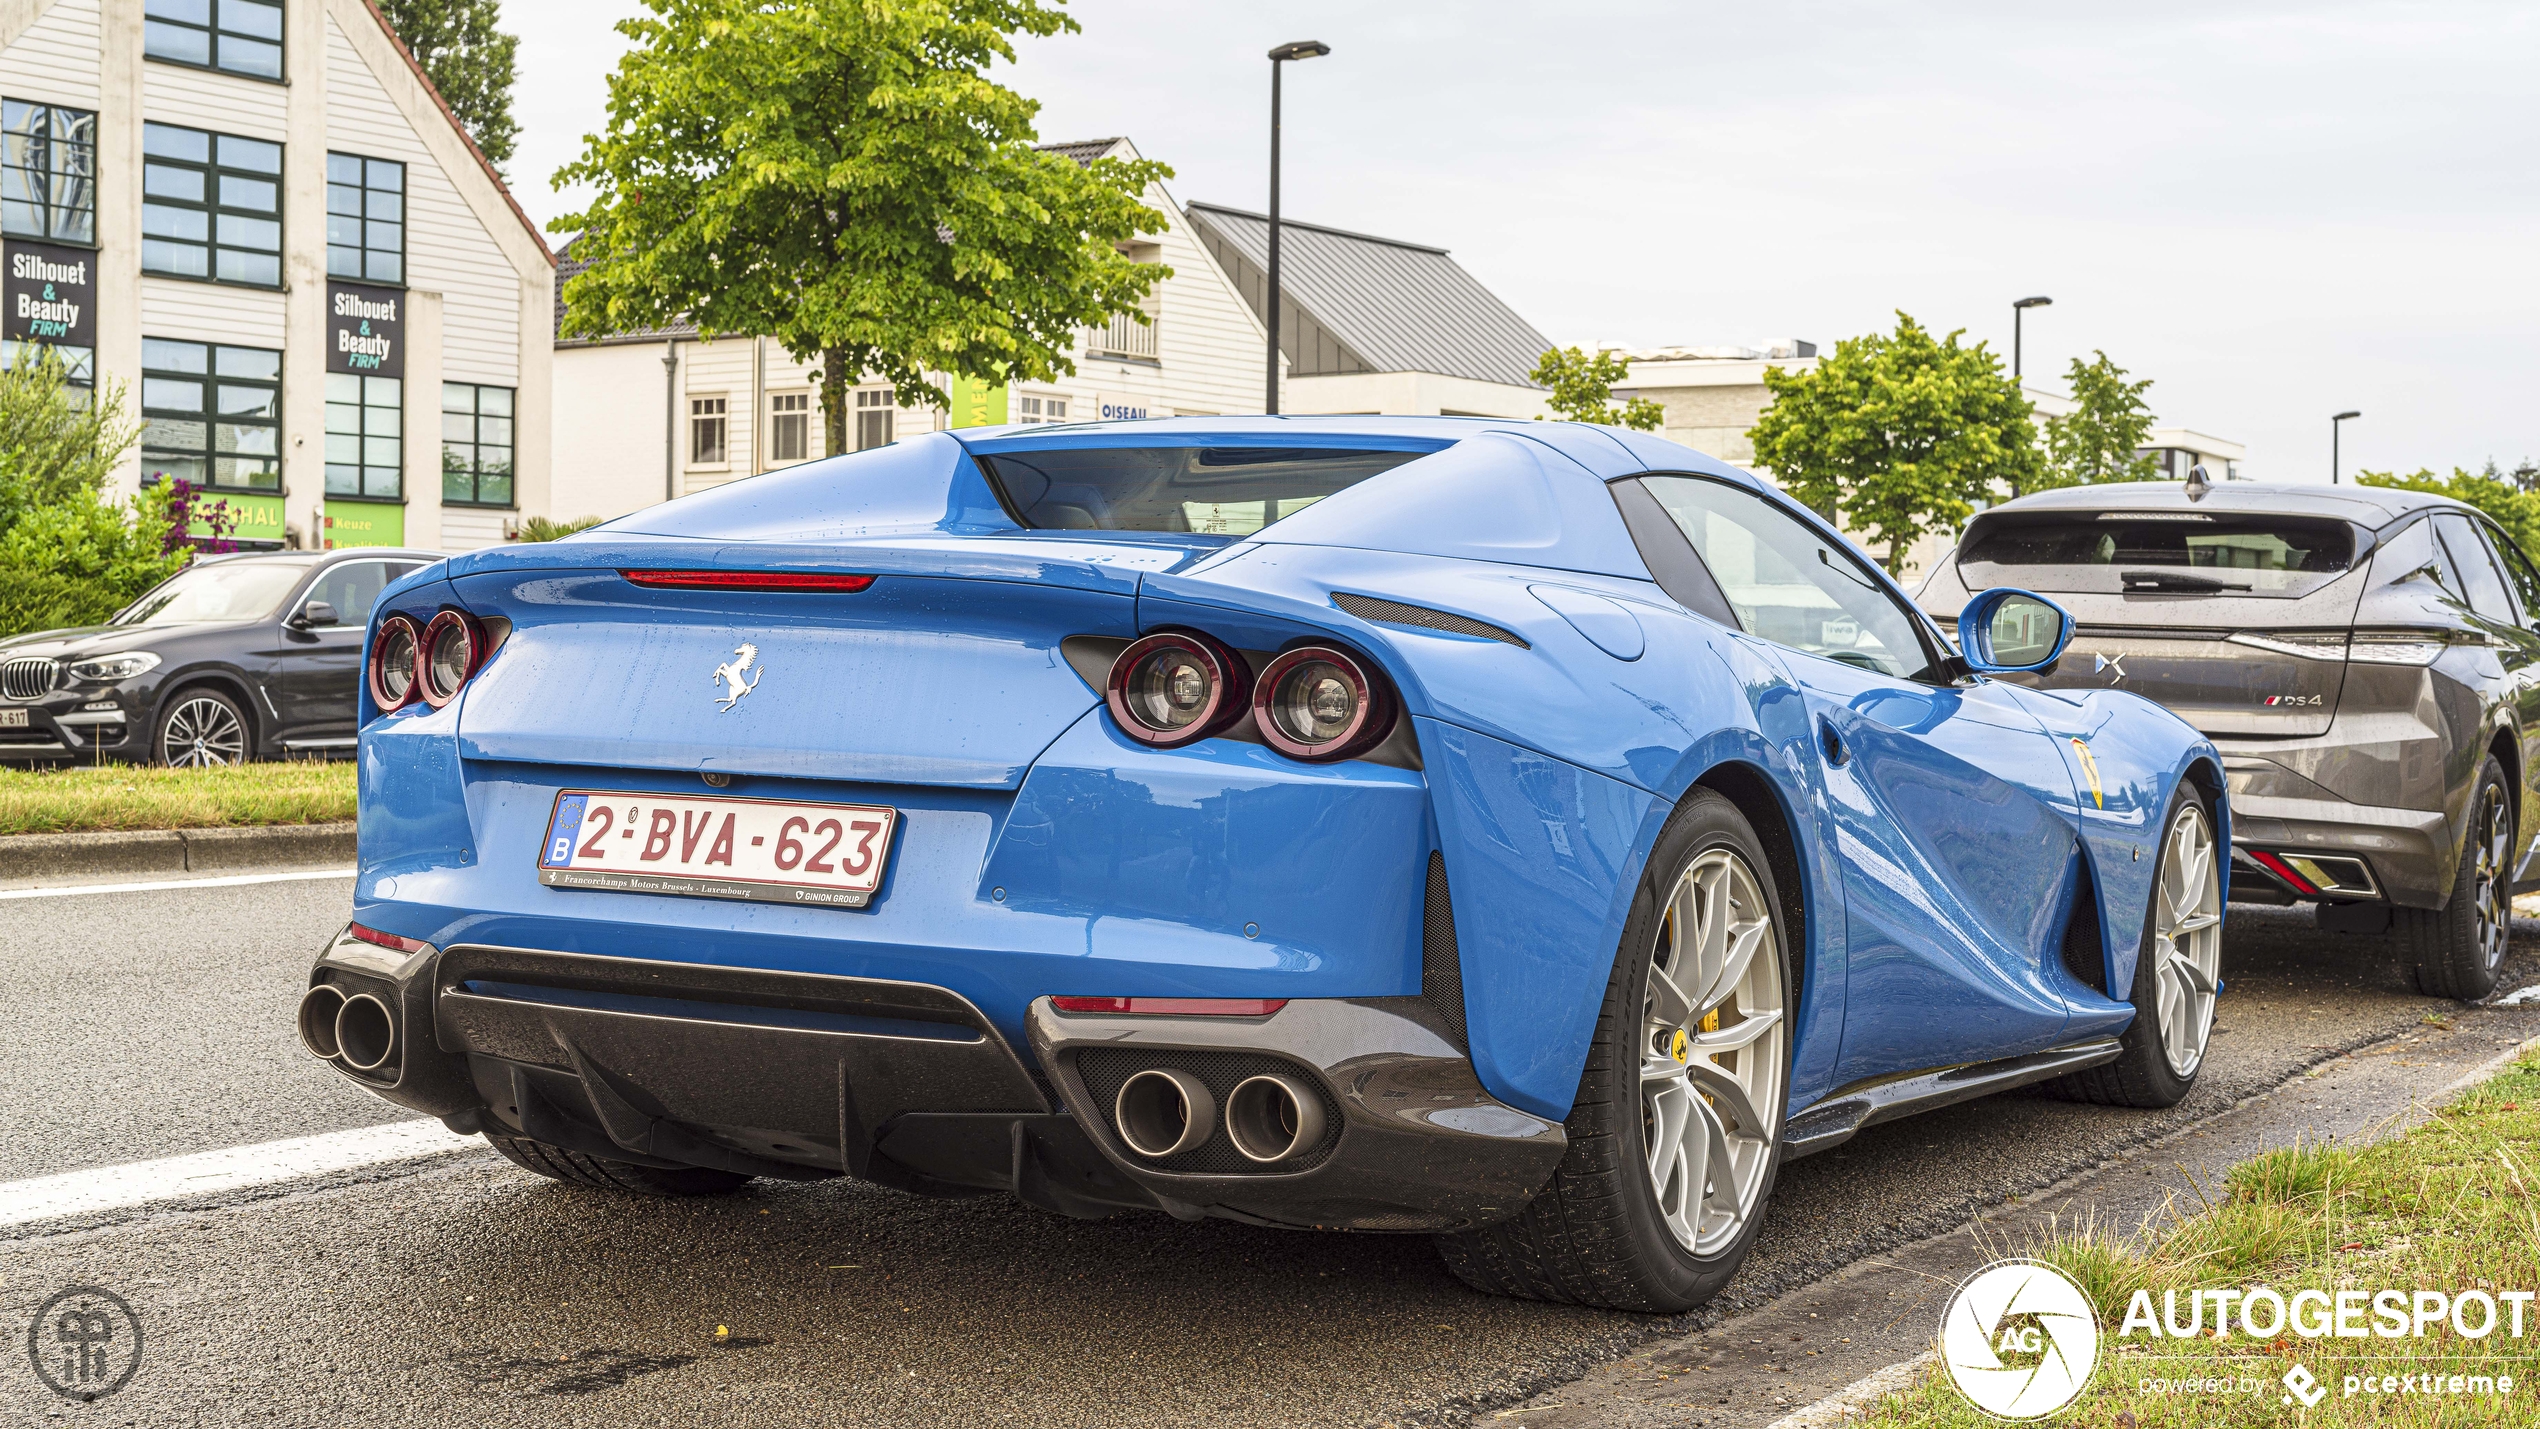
column 232, row 881
column 140, row 1183
column 2516, row 997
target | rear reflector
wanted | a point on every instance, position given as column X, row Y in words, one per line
column 1173, row 1006
column 746, row 580
column 387, row 940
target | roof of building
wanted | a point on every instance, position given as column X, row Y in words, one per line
column 1400, row 307
column 407, row 52
column 1083, row 151
column 567, row 266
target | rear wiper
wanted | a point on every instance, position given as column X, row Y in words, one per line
column 2174, row 580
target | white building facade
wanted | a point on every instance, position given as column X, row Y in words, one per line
column 258, row 220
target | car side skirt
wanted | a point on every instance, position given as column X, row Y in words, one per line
column 1846, row 1110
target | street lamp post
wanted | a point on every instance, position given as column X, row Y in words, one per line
column 1294, row 50
column 2018, row 310
column 2336, row 426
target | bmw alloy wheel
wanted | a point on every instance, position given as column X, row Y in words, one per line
column 2186, row 950
column 1712, row 1053
column 202, row 730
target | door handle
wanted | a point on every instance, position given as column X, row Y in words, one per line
column 1832, row 743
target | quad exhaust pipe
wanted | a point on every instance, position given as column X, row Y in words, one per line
column 358, row 1031
column 1273, row 1117
column 1164, row 1112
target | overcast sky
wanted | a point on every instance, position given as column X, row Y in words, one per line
column 2276, row 211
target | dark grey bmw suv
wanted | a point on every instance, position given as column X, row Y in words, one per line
column 233, row 658
column 2367, row 661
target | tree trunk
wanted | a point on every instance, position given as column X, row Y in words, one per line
column 1895, row 559
column 837, row 391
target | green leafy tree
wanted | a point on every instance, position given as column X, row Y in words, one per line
column 79, row 560
column 1583, row 390
column 57, row 441
column 470, row 62
column 1896, row 434
column 2098, row 439
column 539, row 528
column 844, row 176
column 2512, row 507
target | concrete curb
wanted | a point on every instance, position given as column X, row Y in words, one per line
column 226, row 850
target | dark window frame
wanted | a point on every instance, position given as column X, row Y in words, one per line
column 156, row 15
column 365, row 196
column 214, row 175
column 472, row 469
column 363, row 436
column 14, row 145
column 210, row 413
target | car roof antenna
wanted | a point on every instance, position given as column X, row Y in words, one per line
column 2198, row 483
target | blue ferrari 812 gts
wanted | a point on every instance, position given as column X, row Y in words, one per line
column 1532, row 835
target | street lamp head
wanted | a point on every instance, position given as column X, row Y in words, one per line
column 2342, row 416
column 1300, row 50
column 2034, row 303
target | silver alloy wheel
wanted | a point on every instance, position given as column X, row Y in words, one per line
column 2186, row 949
column 2495, row 850
column 1713, row 1052
column 202, row 731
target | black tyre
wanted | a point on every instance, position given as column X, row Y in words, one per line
column 2459, row 948
column 556, row 1163
column 202, row 727
column 1675, row 1139
column 2177, row 973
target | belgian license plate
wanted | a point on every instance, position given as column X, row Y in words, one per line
column 763, row 850
column 13, row 719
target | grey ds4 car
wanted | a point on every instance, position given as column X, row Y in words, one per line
column 233, row 658
column 2367, row 661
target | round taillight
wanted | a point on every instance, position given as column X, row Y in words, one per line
column 1176, row 687
column 1318, row 703
column 451, row 648
column 392, row 663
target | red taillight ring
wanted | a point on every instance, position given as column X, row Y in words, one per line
column 1372, row 722
column 434, row 694
column 376, row 668
column 1229, row 685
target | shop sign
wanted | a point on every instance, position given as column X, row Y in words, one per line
column 978, row 404
column 364, row 523
column 50, row 295
column 252, row 516
column 1120, row 407
column 365, row 330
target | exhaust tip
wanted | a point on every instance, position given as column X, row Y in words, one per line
column 318, row 1007
column 1164, row 1112
column 1273, row 1117
column 365, row 1034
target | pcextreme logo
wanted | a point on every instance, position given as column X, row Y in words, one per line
column 2019, row 1339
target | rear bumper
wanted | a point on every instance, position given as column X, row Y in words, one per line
column 2409, row 851
column 804, row 1076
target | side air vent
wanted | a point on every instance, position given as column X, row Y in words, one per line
column 1441, row 971
column 2085, row 956
column 1394, row 612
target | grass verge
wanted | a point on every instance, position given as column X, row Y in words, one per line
column 2451, row 1207
column 129, row 797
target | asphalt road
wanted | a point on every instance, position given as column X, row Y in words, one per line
column 146, row 1025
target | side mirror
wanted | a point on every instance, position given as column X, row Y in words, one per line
column 2006, row 631
column 313, row 614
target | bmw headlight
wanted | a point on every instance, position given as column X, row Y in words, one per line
column 107, row 669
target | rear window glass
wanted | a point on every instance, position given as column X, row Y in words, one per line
column 1208, row 491
column 2223, row 553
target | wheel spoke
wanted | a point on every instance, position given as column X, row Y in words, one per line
column 1743, row 941
column 1736, row 1034
column 1668, row 1111
column 2195, row 923
column 1721, row 1193
column 1724, row 1089
column 2194, row 976
column 1712, row 947
column 1668, row 1006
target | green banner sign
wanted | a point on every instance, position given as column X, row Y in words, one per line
column 977, row 404
column 365, row 523
column 252, row 517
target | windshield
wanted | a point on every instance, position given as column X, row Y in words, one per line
column 1207, row 491
column 2183, row 552
column 221, row 592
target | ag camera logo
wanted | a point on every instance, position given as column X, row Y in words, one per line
column 2019, row 1339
